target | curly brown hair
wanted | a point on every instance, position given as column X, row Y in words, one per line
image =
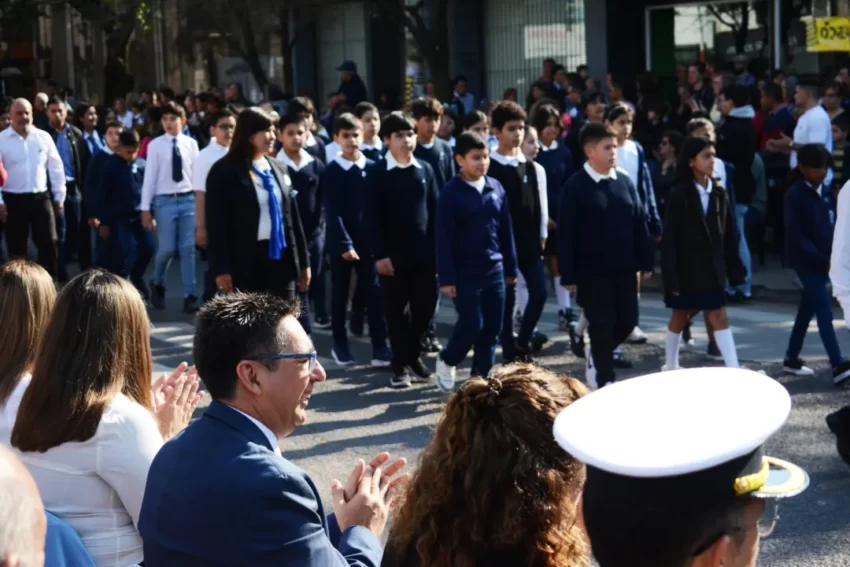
column 493, row 480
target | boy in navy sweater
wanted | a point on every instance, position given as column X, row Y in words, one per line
column 604, row 241
column 119, row 212
column 476, row 259
column 302, row 106
column 369, row 116
column 93, row 190
column 427, row 112
column 345, row 185
column 401, row 208
column 524, row 184
column 305, row 171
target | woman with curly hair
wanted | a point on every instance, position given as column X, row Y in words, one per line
column 493, row 487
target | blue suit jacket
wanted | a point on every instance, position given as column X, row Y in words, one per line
column 217, row 494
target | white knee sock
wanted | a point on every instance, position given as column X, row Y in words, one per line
column 581, row 327
column 521, row 295
column 563, row 296
column 671, row 350
column 726, row 345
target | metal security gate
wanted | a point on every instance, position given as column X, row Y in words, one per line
column 518, row 36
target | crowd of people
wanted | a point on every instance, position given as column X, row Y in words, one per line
column 579, row 191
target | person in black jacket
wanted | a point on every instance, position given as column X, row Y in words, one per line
column 809, row 224
column 699, row 251
column 401, row 205
column 255, row 240
column 303, row 106
column 593, row 111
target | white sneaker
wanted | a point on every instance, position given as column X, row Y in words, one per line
column 637, row 337
column 590, row 369
column 665, row 368
column 445, row 376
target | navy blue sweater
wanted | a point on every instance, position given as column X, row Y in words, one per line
column 317, row 150
column 400, row 213
column 345, row 201
column 809, row 219
column 122, row 188
column 440, row 157
column 374, row 154
column 602, row 230
column 558, row 164
column 474, row 234
column 308, row 194
column 92, row 185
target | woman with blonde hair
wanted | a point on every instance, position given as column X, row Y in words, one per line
column 493, row 487
column 27, row 294
column 89, row 425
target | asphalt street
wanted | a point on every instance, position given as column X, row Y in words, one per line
column 354, row 414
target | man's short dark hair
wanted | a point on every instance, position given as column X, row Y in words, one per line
column 460, row 78
column 361, row 108
column 236, row 327
column 426, row 108
column 592, row 133
column 698, row 124
column 738, row 94
column 467, row 142
column 301, row 105
column 346, row 121
column 506, row 111
column 128, row 138
column 396, row 122
column 772, row 91
column 220, row 114
column 812, row 85
column 54, row 100
column 288, row 119
column 173, row 109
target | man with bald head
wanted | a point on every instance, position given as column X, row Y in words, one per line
column 23, row 525
column 26, row 205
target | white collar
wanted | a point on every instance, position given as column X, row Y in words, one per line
column 346, row 165
column 310, row 141
column 218, row 147
column 708, row 186
column 304, row 159
column 477, row 185
column 378, row 145
column 506, row 160
column 262, row 426
column 596, row 176
column 427, row 146
column 108, row 151
column 392, row 163
column 546, row 148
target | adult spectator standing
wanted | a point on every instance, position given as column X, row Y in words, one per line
column 234, row 94
column 23, row 524
column 703, row 92
column 813, row 126
column 26, row 205
column 463, row 96
column 40, row 111
column 351, row 86
column 261, row 369
column 69, row 221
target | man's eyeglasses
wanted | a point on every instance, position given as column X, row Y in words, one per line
column 310, row 358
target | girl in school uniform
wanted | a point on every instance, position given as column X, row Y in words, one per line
column 699, row 251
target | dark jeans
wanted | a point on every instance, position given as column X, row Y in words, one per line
column 611, row 307
column 316, row 293
column 814, row 302
column 367, row 286
column 536, row 283
column 31, row 211
column 409, row 299
column 130, row 247
column 74, row 235
column 480, row 307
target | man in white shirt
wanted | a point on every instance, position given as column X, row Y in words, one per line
column 168, row 192
column 222, row 124
column 813, row 126
column 30, row 157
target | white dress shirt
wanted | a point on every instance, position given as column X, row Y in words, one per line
column 346, row 165
column 813, row 127
column 596, row 176
column 704, row 195
column 331, row 151
column 29, row 161
column 304, row 159
column 158, row 179
column 9, row 410
column 264, row 228
column 543, row 196
column 629, row 160
column 720, row 172
column 96, row 486
column 392, row 163
column 262, row 427
column 206, row 159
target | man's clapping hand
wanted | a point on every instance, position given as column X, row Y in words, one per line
column 366, row 498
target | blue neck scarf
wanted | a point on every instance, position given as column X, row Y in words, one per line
column 277, row 241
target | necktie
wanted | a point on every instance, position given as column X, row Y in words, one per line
column 176, row 162
column 277, row 241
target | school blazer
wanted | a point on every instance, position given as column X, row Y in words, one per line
column 699, row 251
column 233, row 217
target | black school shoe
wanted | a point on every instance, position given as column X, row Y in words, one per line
column 420, row 371
column 400, row 379
column 621, row 362
column 839, row 423
column 841, row 373
column 538, row 339
column 576, row 342
column 190, row 305
column 157, row 296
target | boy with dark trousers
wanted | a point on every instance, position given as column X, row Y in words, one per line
column 305, row 171
column 427, row 113
column 476, row 259
column 400, row 212
column 604, row 242
column 345, row 185
column 523, row 182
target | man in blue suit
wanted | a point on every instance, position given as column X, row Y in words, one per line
column 220, row 493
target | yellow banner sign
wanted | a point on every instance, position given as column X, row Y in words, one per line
column 828, row 35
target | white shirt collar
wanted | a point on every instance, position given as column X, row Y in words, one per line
column 310, row 141
column 216, row 146
column 478, row 185
column 704, row 190
column 392, row 163
column 346, row 165
column 427, row 146
column 505, row 160
column 262, row 427
column 546, row 148
column 378, row 145
column 596, row 176
column 107, row 150
column 304, row 159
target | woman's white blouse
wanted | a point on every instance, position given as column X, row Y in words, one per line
column 97, row 486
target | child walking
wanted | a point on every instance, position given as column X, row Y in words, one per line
column 699, row 251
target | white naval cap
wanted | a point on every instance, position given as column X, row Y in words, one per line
column 700, row 429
